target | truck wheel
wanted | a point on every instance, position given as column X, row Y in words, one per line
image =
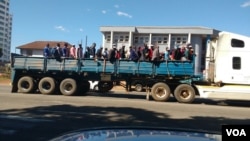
column 105, row 86
column 47, row 85
column 110, row 86
column 160, row 92
column 184, row 93
column 83, row 88
column 138, row 87
column 25, row 84
column 68, row 87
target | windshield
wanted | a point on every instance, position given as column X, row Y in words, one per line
column 134, row 134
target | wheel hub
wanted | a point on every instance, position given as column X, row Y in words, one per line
column 25, row 85
column 46, row 86
column 68, row 87
column 160, row 92
column 184, row 93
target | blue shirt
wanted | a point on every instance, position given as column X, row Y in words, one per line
column 46, row 51
column 65, row 52
column 133, row 55
column 166, row 55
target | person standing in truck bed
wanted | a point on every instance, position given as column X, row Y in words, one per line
column 46, row 51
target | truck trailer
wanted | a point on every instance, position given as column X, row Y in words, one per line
column 226, row 75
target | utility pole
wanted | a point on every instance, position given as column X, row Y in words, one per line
column 86, row 41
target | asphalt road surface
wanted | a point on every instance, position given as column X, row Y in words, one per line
column 37, row 117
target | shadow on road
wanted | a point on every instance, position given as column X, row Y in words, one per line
column 219, row 102
column 50, row 121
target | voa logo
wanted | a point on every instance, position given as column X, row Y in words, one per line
column 236, row 132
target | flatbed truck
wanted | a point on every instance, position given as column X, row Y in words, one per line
column 226, row 75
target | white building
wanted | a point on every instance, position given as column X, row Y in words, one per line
column 5, row 30
column 164, row 36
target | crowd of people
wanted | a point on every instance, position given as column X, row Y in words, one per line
column 58, row 52
column 140, row 53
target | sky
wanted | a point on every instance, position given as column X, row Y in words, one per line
column 79, row 21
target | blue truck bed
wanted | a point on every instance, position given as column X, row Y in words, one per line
column 171, row 68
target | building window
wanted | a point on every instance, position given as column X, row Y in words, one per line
column 177, row 40
column 121, row 39
column 237, row 43
column 29, row 52
column 236, row 63
column 107, row 38
column 165, row 40
column 116, row 39
column 161, row 39
column 126, row 38
column 141, row 39
column 136, row 40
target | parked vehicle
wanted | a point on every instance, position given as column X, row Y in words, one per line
column 226, row 75
column 135, row 134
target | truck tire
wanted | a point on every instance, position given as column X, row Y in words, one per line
column 110, row 86
column 184, row 93
column 25, row 84
column 104, row 86
column 47, row 85
column 83, row 88
column 138, row 87
column 160, row 92
column 68, row 87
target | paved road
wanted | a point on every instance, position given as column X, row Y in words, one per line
column 40, row 117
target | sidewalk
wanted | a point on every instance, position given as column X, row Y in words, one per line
column 4, row 81
column 118, row 88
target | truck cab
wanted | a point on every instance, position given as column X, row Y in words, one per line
column 227, row 68
column 228, row 57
